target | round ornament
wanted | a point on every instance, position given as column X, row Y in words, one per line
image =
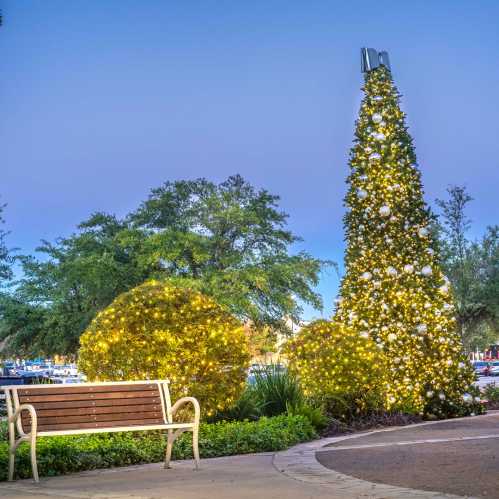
column 423, row 232
column 380, row 136
column 391, row 271
column 377, row 118
column 427, row 271
column 429, row 394
column 430, row 251
column 421, row 328
column 441, row 396
column 409, row 269
column 391, row 337
column 361, row 193
column 467, row 398
column 375, row 156
column 366, row 276
column 384, row 211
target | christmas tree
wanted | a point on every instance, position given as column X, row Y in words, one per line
column 393, row 290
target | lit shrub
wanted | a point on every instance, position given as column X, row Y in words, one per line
column 159, row 331
column 339, row 366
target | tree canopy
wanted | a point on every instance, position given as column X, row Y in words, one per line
column 473, row 269
column 229, row 241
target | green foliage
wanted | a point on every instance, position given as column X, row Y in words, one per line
column 473, row 269
column 491, row 392
column 5, row 256
column 469, row 405
column 60, row 455
column 314, row 413
column 276, row 390
column 229, row 241
column 247, row 407
column 159, row 331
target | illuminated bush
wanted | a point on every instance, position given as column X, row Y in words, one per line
column 158, row 331
column 334, row 362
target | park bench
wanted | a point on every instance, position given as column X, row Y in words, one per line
column 48, row 410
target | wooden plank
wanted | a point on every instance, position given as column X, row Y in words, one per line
column 95, row 403
column 81, row 388
column 110, row 409
column 89, row 418
column 33, row 399
column 98, row 424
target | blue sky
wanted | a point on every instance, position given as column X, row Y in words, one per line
column 102, row 100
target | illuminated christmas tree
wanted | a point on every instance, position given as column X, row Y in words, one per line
column 393, row 290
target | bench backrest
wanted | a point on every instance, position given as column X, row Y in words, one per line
column 88, row 406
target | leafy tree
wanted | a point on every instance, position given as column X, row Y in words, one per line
column 5, row 257
column 228, row 241
column 473, row 269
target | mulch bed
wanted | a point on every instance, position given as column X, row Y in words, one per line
column 372, row 422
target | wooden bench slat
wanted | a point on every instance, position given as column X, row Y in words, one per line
column 109, row 409
column 100, row 424
column 35, row 398
column 95, row 403
column 70, row 388
column 90, row 418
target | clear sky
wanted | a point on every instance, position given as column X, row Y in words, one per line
column 102, row 100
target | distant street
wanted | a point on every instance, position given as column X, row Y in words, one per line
column 487, row 380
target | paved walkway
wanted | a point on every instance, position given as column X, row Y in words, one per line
column 431, row 460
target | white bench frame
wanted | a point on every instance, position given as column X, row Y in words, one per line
column 14, row 410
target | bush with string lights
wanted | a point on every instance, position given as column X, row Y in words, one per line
column 160, row 331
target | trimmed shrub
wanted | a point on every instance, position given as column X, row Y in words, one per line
column 69, row 454
column 159, row 331
column 338, row 366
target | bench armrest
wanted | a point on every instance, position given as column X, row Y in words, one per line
column 17, row 414
column 185, row 400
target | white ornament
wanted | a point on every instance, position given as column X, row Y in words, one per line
column 363, row 177
column 429, row 394
column 426, row 270
column 391, row 337
column 447, row 307
column 375, row 155
column 377, row 118
column 430, row 251
column 361, row 193
column 409, row 268
column 423, row 232
column 384, row 211
column 366, row 276
column 461, row 365
column 364, row 334
column 377, row 98
column 391, row 271
column 441, row 396
column 421, row 328
column 380, row 136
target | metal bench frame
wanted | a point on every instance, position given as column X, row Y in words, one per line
column 15, row 409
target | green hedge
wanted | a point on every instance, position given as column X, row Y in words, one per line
column 59, row 455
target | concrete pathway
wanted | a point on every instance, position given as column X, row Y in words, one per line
column 378, row 465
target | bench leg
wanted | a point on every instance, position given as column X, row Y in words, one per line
column 12, row 451
column 34, row 464
column 169, row 445
column 195, row 445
